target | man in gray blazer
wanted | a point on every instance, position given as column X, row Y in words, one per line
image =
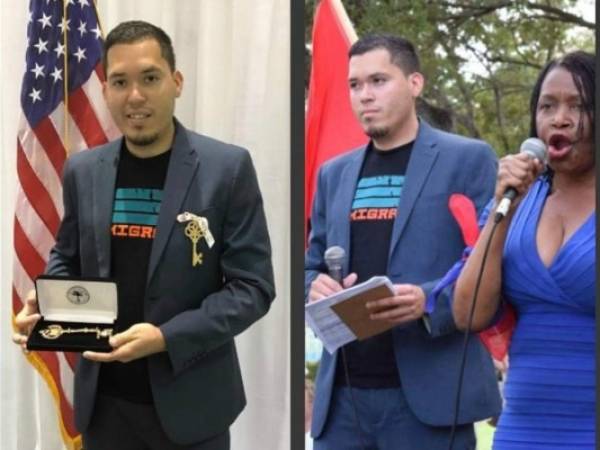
column 386, row 204
column 177, row 219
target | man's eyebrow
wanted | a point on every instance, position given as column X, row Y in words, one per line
column 151, row 69
column 116, row 75
column 371, row 75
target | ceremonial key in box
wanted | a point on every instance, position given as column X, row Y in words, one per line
column 78, row 314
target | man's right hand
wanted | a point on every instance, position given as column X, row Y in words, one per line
column 26, row 320
column 324, row 286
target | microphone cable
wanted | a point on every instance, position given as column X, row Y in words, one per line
column 360, row 431
column 333, row 258
column 461, row 372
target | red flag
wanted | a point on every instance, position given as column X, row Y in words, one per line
column 331, row 127
column 63, row 111
column 497, row 338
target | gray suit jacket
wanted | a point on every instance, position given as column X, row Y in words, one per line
column 196, row 383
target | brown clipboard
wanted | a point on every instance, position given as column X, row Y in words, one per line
column 354, row 313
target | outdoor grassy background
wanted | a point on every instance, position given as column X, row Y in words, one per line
column 485, row 434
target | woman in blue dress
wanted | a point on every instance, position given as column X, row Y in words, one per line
column 542, row 261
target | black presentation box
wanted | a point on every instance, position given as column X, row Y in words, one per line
column 78, row 314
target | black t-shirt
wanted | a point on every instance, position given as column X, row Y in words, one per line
column 371, row 363
column 137, row 200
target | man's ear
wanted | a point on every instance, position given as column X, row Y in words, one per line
column 417, row 82
column 178, row 78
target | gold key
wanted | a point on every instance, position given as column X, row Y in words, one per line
column 56, row 331
column 202, row 223
column 194, row 232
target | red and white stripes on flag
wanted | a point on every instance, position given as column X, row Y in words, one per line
column 63, row 111
column 331, row 127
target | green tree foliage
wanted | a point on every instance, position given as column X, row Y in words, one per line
column 480, row 57
column 311, row 369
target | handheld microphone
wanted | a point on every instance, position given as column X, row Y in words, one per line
column 534, row 148
column 334, row 260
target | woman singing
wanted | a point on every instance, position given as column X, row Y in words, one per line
column 542, row 261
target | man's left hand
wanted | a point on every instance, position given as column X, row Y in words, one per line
column 142, row 339
column 407, row 305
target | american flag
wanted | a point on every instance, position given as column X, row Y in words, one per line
column 55, row 122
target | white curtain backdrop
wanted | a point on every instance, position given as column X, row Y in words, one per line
column 234, row 55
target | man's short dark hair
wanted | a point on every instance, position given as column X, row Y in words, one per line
column 135, row 31
column 402, row 52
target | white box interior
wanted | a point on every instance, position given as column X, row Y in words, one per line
column 71, row 300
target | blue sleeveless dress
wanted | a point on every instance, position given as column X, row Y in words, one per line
column 550, row 387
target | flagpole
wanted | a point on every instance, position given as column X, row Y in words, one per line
column 66, row 81
column 98, row 18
